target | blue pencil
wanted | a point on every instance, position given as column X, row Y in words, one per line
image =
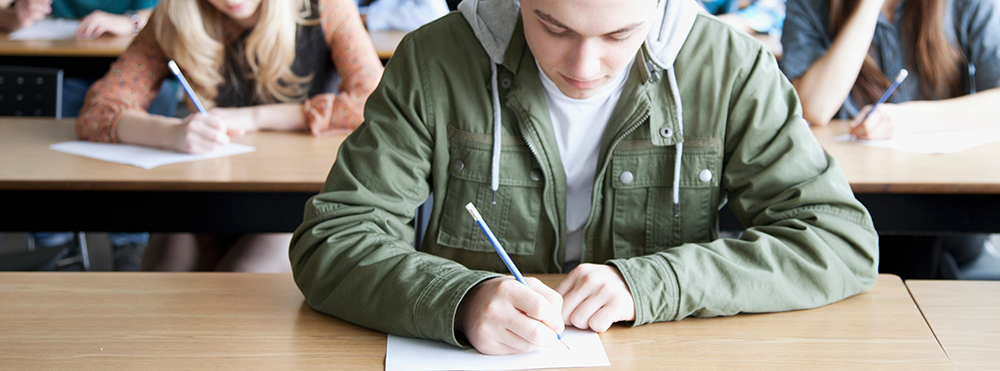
column 885, row 96
column 500, row 251
column 187, row 87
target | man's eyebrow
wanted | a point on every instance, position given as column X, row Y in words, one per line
column 555, row 22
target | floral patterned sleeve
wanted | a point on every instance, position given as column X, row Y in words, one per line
column 357, row 64
column 131, row 83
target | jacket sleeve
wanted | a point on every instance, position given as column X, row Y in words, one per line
column 353, row 256
column 809, row 242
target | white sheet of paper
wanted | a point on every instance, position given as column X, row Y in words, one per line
column 48, row 29
column 144, row 157
column 406, row 354
column 940, row 142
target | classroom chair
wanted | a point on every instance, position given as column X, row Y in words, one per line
column 31, row 91
column 74, row 255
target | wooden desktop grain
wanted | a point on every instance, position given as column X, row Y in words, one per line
column 283, row 162
column 104, row 46
column 965, row 317
column 237, row 321
column 881, row 170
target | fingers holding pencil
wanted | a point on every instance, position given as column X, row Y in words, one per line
column 502, row 316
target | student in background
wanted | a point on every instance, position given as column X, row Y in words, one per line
column 761, row 16
column 259, row 65
column 403, row 15
column 841, row 55
column 598, row 138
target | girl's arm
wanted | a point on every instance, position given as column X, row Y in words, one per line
column 827, row 83
column 357, row 64
column 114, row 109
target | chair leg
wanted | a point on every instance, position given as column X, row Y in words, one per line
column 84, row 255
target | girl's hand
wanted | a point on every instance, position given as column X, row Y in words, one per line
column 199, row 133
column 884, row 123
column 98, row 23
column 31, row 11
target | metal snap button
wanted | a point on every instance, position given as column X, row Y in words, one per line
column 666, row 132
column 536, row 174
column 505, row 82
column 39, row 81
column 705, row 175
column 20, row 80
column 457, row 166
column 626, row 177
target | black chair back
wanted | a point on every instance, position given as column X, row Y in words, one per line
column 31, row 91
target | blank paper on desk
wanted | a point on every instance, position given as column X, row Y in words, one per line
column 934, row 142
column 144, row 157
column 406, row 354
column 48, row 29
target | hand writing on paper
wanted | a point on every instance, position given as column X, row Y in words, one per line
column 502, row 316
column 884, row 123
column 200, row 133
column 30, row 11
column 98, row 22
column 594, row 297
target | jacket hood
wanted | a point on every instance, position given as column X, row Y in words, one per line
column 493, row 22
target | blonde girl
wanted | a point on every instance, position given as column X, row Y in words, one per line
column 258, row 65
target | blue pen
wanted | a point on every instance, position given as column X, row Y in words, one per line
column 500, row 251
column 892, row 88
column 187, row 87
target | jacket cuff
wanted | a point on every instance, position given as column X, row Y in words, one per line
column 653, row 284
column 438, row 303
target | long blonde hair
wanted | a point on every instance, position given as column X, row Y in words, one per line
column 191, row 33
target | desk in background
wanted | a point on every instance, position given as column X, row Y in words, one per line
column 240, row 321
column 920, row 193
column 262, row 191
column 965, row 318
column 79, row 58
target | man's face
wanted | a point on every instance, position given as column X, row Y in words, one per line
column 582, row 45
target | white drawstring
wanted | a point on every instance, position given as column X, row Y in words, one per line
column 495, row 167
column 680, row 144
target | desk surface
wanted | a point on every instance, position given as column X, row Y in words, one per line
column 965, row 317
column 104, row 46
column 283, row 162
column 880, row 170
column 259, row 321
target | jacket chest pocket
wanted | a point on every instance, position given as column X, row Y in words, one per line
column 515, row 215
column 643, row 216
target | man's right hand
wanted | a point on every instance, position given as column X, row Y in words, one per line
column 502, row 316
column 30, row 11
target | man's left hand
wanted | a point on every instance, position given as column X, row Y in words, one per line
column 594, row 297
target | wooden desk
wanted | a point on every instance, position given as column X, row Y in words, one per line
column 209, row 195
column 965, row 318
column 238, row 321
column 920, row 193
column 386, row 42
column 104, row 46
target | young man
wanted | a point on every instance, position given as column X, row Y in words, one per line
column 600, row 132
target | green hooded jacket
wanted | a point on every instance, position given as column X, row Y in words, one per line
column 699, row 89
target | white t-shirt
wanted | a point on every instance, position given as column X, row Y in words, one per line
column 579, row 125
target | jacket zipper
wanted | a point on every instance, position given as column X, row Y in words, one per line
column 522, row 119
column 587, row 231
